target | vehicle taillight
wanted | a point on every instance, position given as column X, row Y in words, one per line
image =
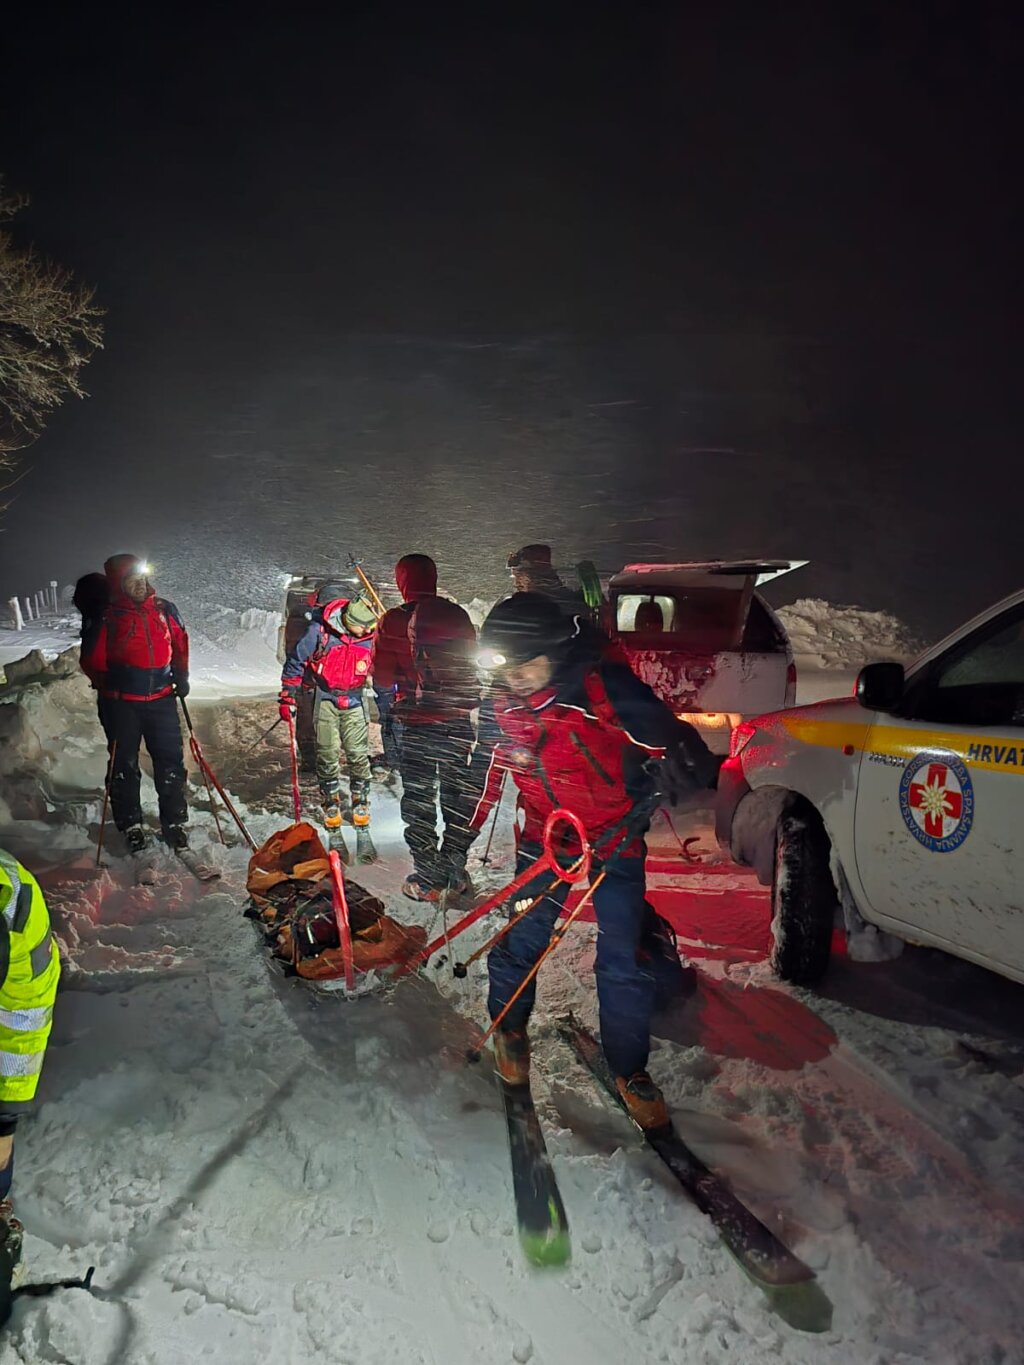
column 791, row 684
column 741, row 737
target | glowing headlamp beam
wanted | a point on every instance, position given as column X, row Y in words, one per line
column 490, row 660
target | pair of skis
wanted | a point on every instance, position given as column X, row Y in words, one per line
column 366, row 851
column 788, row 1284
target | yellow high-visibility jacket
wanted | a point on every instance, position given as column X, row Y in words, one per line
column 29, row 972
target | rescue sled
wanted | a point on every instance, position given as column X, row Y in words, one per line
column 317, row 926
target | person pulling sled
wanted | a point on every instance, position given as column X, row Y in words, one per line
column 337, row 650
column 580, row 731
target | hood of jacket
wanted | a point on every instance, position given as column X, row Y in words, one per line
column 416, row 577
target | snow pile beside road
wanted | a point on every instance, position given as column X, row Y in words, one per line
column 832, row 643
column 825, row 635
column 232, row 651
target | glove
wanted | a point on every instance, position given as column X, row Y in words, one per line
column 286, row 705
column 688, row 766
column 181, row 685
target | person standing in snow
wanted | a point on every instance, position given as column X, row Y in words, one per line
column 532, row 571
column 29, row 972
column 337, row 649
column 579, row 731
column 136, row 656
column 426, row 651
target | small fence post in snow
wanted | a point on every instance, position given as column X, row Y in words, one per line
column 28, row 609
column 15, row 606
column 53, row 593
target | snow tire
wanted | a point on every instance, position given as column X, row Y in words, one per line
column 804, row 898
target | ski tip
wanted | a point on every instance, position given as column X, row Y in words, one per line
column 551, row 1247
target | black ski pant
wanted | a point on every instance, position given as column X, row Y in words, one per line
column 127, row 724
column 435, row 771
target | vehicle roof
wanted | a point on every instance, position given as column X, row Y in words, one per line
column 968, row 626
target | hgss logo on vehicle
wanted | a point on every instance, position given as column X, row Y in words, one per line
column 937, row 801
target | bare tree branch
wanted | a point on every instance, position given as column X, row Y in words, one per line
column 50, row 328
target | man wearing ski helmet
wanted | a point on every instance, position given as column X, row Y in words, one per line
column 426, row 651
column 580, row 731
column 135, row 653
column 337, row 650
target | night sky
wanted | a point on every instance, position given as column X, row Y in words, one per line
column 642, row 280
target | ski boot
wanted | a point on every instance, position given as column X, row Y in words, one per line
column 135, row 839
column 512, row 1056
column 365, row 850
column 644, row 1101
column 419, row 886
column 176, row 837
column 331, row 804
column 360, row 803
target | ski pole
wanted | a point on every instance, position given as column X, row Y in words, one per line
column 198, row 755
column 296, row 795
column 494, row 823
column 342, row 917
column 375, row 600
column 474, row 1053
column 106, row 801
column 461, row 968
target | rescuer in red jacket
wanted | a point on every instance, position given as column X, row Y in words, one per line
column 581, row 732
column 136, row 656
column 426, row 652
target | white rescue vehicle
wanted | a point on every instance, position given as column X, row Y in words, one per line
column 902, row 805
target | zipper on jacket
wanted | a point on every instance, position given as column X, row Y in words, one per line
column 591, row 759
column 540, row 767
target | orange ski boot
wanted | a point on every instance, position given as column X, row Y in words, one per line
column 512, row 1056
column 644, row 1101
column 332, row 809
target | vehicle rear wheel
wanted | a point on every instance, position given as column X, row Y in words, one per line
column 804, row 899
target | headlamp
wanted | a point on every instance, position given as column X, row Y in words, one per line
column 490, row 659
column 143, row 568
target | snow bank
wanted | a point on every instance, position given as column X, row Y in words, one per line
column 233, row 651
column 832, row 643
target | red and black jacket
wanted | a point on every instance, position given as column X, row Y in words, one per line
column 338, row 662
column 136, row 651
column 426, row 649
column 581, row 744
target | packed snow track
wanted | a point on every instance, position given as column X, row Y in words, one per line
column 261, row 1172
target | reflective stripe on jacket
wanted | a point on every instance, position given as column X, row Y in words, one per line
column 29, row 972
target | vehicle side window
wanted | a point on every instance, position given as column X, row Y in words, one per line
column 761, row 635
column 979, row 681
column 644, row 613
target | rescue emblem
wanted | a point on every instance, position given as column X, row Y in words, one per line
column 361, row 665
column 937, row 801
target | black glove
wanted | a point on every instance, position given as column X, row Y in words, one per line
column 688, row 766
column 181, row 685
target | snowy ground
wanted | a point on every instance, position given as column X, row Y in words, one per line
column 263, row 1173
